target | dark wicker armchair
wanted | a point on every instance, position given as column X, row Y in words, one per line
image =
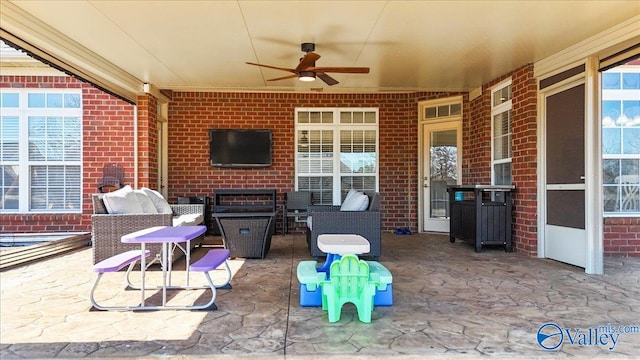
column 107, row 229
column 330, row 220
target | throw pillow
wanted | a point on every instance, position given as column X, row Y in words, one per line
column 350, row 195
column 356, row 202
column 364, row 202
column 145, row 202
column 162, row 206
column 122, row 201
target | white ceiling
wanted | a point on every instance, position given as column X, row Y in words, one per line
column 409, row 45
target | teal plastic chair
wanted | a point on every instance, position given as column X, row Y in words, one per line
column 348, row 283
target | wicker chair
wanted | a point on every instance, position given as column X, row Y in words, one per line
column 107, row 229
column 295, row 206
column 328, row 219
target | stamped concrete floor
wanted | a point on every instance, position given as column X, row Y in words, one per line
column 449, row 302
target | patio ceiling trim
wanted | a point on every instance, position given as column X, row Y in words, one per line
column 620, row 57
column 43, row 41
column 603, row 44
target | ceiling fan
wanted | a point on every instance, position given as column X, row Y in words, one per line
column 308, row 71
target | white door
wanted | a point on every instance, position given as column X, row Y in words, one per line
column 565, row 235
column 441, row 167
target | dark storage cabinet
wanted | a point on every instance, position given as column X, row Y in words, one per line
column 482, row 214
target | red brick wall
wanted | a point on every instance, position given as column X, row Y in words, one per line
column 147, row 142
column 476, row 140
column 191, row 114
column 477, row 151
column 524, row 159
column 622, row 237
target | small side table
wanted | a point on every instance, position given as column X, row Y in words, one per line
column 338, row 245
column 343, row 244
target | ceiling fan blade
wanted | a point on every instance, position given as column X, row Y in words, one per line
column 284, row 77
column 344, row 70
column 327, row 79
column 307, row 61
column 272, row 67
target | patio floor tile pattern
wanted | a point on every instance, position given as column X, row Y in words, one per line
column 449, row 302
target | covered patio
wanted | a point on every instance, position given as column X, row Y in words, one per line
column 449, row 302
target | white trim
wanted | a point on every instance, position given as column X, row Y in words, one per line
column 451, row 124
column 23, row 113
column 135, row 146
column 441, row 101
column 566, row 187
column 44, row 41
column 593, row 231
column 627, row 31
column 542, row 155
column 475, row 93
column 451, row 100
column 594, row 206
column 155, row 92
column 444, row 121
column 502, row 108
column 336, row 126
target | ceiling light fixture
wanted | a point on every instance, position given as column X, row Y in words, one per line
column 307, row 76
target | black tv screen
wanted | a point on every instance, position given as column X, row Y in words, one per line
column 240, row 148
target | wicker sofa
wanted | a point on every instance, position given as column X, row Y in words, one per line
column 326, row 219
column 107, row 229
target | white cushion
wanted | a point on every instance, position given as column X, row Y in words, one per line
column 162, row 206
column 350, row 195
column 364, row 205
column 122, row 201
column 145, row 202
column 356, row 202
column 188, row 219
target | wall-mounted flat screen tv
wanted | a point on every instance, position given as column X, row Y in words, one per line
column 240, row 148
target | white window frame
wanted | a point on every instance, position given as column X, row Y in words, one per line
column 23, row 112
column 497, row 110
column 620, row 94
column 336, row 127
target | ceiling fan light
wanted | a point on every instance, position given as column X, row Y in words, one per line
column 307, row 76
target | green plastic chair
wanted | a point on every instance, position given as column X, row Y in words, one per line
column 348, row 283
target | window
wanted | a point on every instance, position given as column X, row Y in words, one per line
column 336, row 150
column 501, row 133
column 621, row 140
column 445, row 110
column 40, row 150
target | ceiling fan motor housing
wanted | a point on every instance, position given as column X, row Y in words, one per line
column 306, row 47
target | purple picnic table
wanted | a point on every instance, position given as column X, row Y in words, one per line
column 168, row 236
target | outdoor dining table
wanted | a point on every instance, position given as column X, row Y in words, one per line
column 338, row 245
column 169, row 237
